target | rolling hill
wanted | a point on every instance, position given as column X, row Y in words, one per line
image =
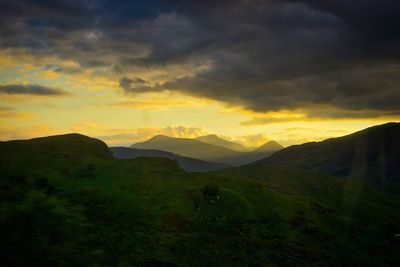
column 60, row 145
column 64, row 201
column 371, row 155
column 188, row 164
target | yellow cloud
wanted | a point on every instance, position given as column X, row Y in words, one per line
column 6, row 60
column 48, row 75
column 251, row 140
column 10, row 113
column 8, row 132
column 260, row 118
column 162, row 101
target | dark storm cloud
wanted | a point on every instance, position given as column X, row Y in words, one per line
column 137, row 85
column 265, row 55
column 371, row 17
column 31, row 89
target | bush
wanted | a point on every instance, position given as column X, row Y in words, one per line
column 211, row 192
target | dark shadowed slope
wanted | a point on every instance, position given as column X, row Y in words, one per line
column 188, row 164
column 218, row 141
column 371, row 155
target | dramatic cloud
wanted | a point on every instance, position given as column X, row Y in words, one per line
column 31, row 89
column 136, row 85
column 336, row 58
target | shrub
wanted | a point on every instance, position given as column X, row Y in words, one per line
column 211, row 192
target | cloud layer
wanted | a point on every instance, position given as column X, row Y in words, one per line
column 328, row 58
column 31, row 89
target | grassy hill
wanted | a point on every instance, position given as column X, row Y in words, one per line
column 64, row 201
column 188, row 164
column 371, row 156
column 75, row 145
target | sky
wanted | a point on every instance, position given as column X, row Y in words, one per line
column 250, row 71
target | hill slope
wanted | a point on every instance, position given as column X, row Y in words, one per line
column 188, row 164
column 94, row 210
column 217, row 141
column 371, row 155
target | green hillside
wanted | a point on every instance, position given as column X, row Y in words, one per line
column 371, row 156
column 64, row 201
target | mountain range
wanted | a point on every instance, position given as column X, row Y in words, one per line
column 65, row 198
column 208, row 148
column 214, row 139
column 188, row 164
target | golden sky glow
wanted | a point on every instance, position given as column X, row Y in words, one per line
column 95, row 105
column 250, row 71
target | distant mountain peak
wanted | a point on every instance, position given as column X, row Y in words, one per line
column 270, row 146
column 212, row 136
column 214, row 139
column 159, row 137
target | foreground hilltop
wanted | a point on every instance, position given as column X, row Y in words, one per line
column 64, row 201
column 75, row 145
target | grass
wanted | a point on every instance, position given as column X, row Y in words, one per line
column 149, row 212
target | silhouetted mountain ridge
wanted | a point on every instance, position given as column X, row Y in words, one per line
column 188, row 148
column 188, row 164
column 371, row 155
column 72, row 144
column 270, row 146
column 214, row 139
column 200, row 150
